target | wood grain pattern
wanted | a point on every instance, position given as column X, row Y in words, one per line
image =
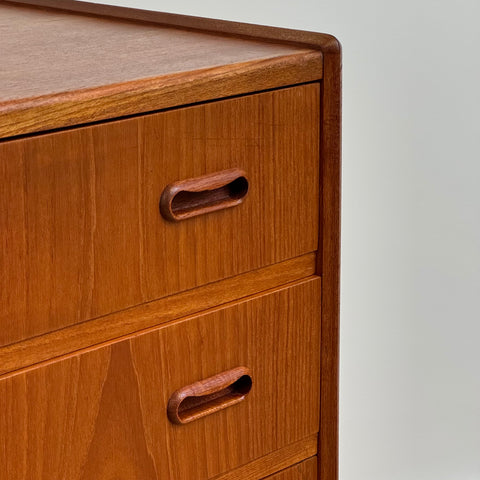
column 275, row 461
column 328, row 259
column 54, row 74
column 306, row 470
column 106, row 329
column 48, row 52
column 328, row 254
column 209, row 395
column 319, row 41
column 102, row 414
column 80, row 227
column 201, row 195
column 143, row 96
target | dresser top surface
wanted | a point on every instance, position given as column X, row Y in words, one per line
column 45, row 52
column 66, row 63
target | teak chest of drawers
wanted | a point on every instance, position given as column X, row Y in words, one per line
column 169, row 233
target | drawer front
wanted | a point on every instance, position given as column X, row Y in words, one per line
column 306, row 470
column 102, row 414
column 81, row 232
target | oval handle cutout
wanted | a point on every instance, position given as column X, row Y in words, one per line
column 197, row 196
column 209, row 396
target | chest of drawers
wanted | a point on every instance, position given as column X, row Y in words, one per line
column 169, row 233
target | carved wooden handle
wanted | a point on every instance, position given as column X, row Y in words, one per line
column 196, row 196
column 209, row 396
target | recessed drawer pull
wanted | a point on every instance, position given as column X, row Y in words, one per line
column 196, row 196
column 209, row 396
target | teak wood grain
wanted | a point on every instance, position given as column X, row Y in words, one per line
column 61, row 69
column 209, row 395
column 103, row 413
column 59, row 52
column 275, row 461
column 323, row 63
column 208, row 193
column 80, row 226
column 306, row 470
column 103, row 330
column 136, row 320
column 328, row 259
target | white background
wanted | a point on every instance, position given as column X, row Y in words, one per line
column 410, row 324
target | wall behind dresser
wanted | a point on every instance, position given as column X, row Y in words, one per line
column 410, row 326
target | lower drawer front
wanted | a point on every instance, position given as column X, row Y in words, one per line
column 306, row 470
column 102, row 414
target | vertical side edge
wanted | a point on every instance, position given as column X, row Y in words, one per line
column 328, row 259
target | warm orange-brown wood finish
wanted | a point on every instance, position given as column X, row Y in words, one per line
column 124, row 68
column 126, row 52
column 306, row 470
column 210, row 395
column 274, row 462
column 103, row 413
column 205, row 194
column 110, row 327
column 80, row 211
column 169, row 246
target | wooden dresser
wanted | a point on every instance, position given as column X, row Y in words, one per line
column 169, row 234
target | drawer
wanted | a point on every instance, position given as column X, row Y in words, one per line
column 102, row 413
column 81, row 232
column 306, row 470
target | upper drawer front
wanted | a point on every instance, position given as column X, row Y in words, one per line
column 102, row 414
column 81, row 234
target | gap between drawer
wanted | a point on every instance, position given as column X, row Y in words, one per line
column 274, row 462
column 19, row 357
